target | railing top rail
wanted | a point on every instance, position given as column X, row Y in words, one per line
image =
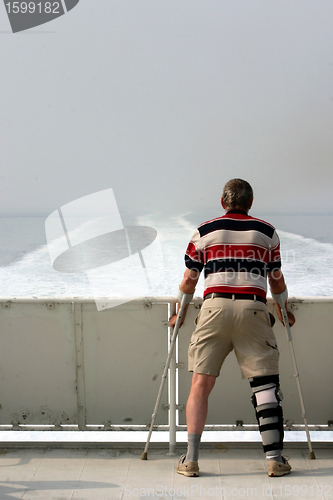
column 154, row 300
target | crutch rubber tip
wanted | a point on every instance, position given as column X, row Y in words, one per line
column 144, row 456
column 312, row 456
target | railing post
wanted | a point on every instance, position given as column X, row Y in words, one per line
column 79, row 358
column 172, row 396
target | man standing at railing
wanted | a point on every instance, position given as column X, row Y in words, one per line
column 237, row 253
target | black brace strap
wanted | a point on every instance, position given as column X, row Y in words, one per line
column 267, row 379
column 273, row 446
column 269, row 412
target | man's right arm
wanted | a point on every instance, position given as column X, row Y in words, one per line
column 276, row 281
column 278, row 286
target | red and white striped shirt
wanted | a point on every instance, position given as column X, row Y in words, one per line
column 236, row 251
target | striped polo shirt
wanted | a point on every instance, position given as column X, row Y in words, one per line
column 236, row 251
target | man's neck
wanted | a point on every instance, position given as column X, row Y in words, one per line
column 236, row 211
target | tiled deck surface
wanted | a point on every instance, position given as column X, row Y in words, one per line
column 116, row 474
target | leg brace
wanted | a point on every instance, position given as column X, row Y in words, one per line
column 266, row 400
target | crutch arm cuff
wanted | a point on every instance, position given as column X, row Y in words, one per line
column 281, row 298
column 186, row 297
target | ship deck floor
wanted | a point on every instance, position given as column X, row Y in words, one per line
column 117, row 473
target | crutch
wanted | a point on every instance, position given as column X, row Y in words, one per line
column 296, row 375
column 185, row 299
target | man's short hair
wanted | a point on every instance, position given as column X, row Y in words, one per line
column 237, row 193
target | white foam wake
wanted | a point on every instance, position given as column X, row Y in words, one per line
column 306, row 266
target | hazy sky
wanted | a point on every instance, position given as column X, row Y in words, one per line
column 166, row 100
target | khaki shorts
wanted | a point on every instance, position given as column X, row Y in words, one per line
column 242, row 325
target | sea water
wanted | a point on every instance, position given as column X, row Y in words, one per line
column 27, row 270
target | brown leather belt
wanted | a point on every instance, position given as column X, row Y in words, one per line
column 235, row 296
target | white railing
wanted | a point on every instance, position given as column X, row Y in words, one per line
column 64, row 365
